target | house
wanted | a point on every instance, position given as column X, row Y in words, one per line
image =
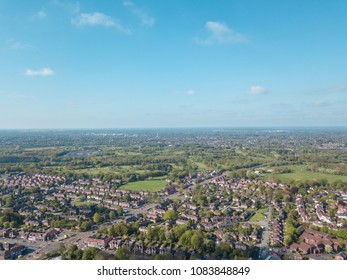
column 306, row 248
column 139, row 247
column 241, row 246
column 101, row 243
column 12, row 251
column 170, row 189
column 130, row 218
column 153, row 217
column 5, row 232
column 341, row 256
column 181, row 222
column 152, row 250
column 273, row 256
column 39, row 235
column 115, row 243
column 50, row 234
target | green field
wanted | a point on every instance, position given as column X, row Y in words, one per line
column 148, row 185
column 259, row 216
column 39, row 149
column 117, row 170
column 301, row 174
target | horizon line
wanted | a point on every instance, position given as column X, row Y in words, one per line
column 187, row 127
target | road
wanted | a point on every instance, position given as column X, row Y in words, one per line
column 266, row 233
column 265, row 224
column 265, row 239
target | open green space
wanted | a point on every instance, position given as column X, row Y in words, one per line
column 110, row 169
column 147, row 185
column 258, row 216
column 39, row 149
column 301, row 174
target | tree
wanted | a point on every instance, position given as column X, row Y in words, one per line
column 288, row 240
column 328, row 249
column 101, row 255
column 185, row 239
column 111, row 231
column 85, row 226
column 96, row 218
column 209, row 246
column 120, row 211
column 120, row 229
column 178, row 231
column 90, row 253
column 9, row 201
column 122, row 254
column 62, row 251
column 73, row 253
column 223, row 250
column 111, row 215
column 196, row 241
column 170, row 215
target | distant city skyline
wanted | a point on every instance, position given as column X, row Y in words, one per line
column 161, row 64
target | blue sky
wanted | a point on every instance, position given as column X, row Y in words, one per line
column 164, row 63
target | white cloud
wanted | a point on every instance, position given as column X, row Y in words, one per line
column 222, row 34
column 98, row 19
column 39, row 15
column 189, row 92
column 139, row 13
column 40, row 72
column 94, row 19
column 15, row 45
column 257, row 90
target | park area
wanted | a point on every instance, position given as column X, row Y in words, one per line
column 147, row 185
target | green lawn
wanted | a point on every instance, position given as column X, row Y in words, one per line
column 201, row 165
column 119, row 170
column 259, row 216
column 148, row 185
column 39, row 149
column 95, row 170
column 301, row 174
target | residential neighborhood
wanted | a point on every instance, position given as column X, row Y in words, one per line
column 241, row 214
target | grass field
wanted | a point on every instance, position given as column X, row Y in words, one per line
column 39, row 149
column 118, row 170
column 259, row 216
column 201, row 166
column 301, row 174
column 148, row 185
